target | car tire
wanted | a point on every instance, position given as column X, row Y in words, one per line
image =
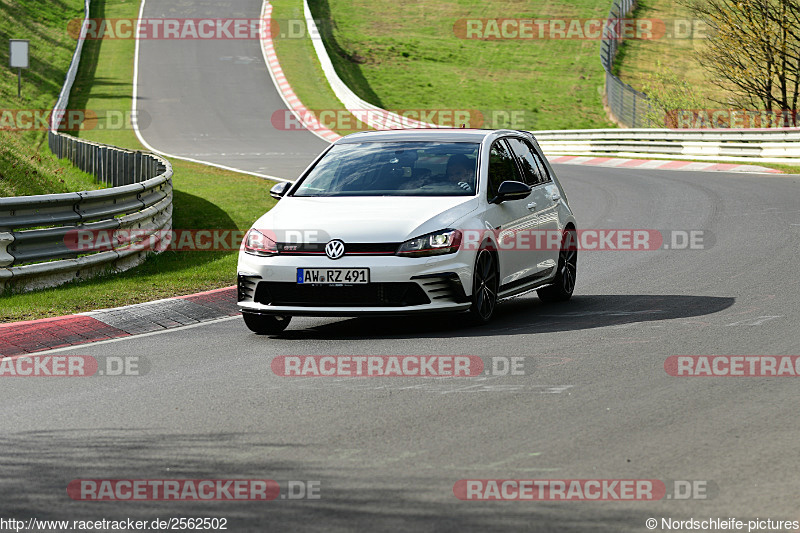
column 266, row 324
column 564, row 283
column 485, row 283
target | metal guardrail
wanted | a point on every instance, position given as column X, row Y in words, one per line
column 666, row 134
column 35, row 250
column 764, row 145
column 109, row 164
column 38, row 234
column 628, row 106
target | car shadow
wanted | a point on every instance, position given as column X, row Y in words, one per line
column 525, row 315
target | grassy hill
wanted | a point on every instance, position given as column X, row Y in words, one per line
column 413, row 57
column 26, row 164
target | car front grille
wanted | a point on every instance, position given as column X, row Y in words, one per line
column 350, row 248
column 367, row 295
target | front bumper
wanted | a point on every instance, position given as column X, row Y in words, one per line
column 398, row 285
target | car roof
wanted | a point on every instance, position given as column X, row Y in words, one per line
column 421, row 134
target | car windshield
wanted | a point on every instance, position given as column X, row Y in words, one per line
column 394, row 169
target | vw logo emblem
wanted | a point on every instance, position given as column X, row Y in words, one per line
column 334, row 249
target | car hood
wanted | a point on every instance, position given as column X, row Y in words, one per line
column 365, row 218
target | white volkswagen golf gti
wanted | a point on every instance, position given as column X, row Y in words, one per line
column 410, row 221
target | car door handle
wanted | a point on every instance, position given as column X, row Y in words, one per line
column 532, row 206
column 555, row 197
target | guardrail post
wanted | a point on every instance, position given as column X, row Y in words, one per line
column 137, row 166
column 115, row 181
column 6, row 239
column 92, row 159
column 101, row 164
column 109, row 166
column 129, row 168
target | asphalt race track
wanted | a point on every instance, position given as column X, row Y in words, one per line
column 213, row 100
column 595, row 401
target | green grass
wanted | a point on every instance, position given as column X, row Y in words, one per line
column 204, row 198
column 409, row 57
column 26, row 164
column 786, row 169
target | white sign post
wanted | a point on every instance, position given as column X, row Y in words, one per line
column 19, row 60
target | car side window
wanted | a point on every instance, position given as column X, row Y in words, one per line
column 544, row 173
column 501, row 167
column 533, row 168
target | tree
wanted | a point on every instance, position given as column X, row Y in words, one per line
column 753, row 50
column 668, row 96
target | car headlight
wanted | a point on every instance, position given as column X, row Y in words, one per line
column 438, row 243
column 256, row 243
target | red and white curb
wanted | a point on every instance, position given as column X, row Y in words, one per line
column 59, row 332
column 303, row 114
column 658, row 164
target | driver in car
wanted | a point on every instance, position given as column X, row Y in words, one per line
column 460, row 172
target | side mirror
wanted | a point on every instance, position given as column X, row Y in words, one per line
column 279, row 189
column 511, row 190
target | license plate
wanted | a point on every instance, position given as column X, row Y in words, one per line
column 333, row 276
